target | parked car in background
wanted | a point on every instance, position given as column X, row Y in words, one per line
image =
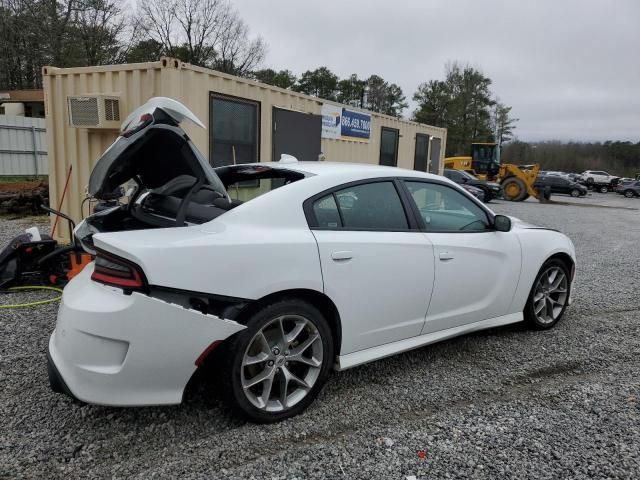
column 591, row 177
column 562, row 185
column 629, row 189
column 491, row 189
column 475, row 191
column 574, row 177
column 275, row 274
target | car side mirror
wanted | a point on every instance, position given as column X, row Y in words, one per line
column 502, row 223
column 465, row 179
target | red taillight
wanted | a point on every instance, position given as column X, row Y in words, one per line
column 131, row 128
column 116, row 271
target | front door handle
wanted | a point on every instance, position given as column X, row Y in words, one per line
column 444, row 256
column 342, row 255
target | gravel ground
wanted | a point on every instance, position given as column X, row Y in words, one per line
column 506, row 403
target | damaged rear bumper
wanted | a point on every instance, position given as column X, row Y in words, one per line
column 109, row 348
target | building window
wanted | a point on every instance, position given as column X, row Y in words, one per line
column 389, row 146
column 234, row 130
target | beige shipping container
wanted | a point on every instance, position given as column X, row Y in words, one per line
column 75, row 144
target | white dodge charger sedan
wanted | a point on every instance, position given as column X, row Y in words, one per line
column 274, row 274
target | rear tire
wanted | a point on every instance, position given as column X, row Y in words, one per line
column 549, row 295
column 286, row 348
column 604, row 189
column 575, row 193
column 628, row 193
column 514, row 189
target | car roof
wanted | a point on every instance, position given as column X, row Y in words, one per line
column 342, row 169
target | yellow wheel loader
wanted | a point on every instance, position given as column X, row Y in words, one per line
column 484, row 162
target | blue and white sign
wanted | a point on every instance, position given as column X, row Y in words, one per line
column 331, row 121
column 355, row 125
column 343, row 124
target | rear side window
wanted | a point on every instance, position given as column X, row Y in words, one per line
column 326, row 212
column 370, row 206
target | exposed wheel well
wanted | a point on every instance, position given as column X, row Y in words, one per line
column 566, row 259
column 315, row 298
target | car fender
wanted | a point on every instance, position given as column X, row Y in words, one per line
column 239, row 260
column 538, row 245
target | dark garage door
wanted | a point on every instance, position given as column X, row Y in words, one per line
column 296, row 134
column 435, row 155
column 422, row 150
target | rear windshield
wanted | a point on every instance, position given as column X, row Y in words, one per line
column 246, row 182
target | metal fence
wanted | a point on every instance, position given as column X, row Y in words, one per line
column 23, row 146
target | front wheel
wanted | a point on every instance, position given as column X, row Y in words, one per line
column 575, row 192
column 604, row 189
column 628, row 193
column 514, row 189
column 277, row 366
column 549, row 296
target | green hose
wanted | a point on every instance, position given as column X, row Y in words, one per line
column 39, row 302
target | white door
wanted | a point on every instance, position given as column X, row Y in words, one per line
column 376, row 269
column 476, row 268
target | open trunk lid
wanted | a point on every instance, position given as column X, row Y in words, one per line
column 151, row 150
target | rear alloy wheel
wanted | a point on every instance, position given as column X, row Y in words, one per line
column 277, row 366
column 514, row 189
column 549, row 296
column 628, row 193
column 575, row 192
column 604, row 189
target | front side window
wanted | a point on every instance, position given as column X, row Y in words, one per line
column 370, row 206
column 443, row 209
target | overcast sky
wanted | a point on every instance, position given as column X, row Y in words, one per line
column 569, row 68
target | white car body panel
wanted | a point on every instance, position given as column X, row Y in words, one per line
column 381, row 297
column 369, row 355
column 117, row 349
column 538, row 244
column 233, row 259
column 476, row 276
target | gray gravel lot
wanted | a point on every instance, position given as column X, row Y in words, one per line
column 506, row 403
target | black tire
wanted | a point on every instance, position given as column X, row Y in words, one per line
column 529, row 315
column 511, row 182
column 589, row 181
column 603, row 189
column 236, row 347
column 575, row 193
column 629, row 193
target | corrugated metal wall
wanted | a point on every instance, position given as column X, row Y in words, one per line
column 79, row 149
column 23, row 146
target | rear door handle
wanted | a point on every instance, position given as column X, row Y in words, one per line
column 342, row 255
column 444, row 256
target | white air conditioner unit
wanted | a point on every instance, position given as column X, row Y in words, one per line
column 94, row 111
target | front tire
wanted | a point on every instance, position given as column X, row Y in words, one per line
column 514, row 189
column 276, row 367
column 604, row 189
column 549, row 295
column 628, row 193
column 575, row 193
